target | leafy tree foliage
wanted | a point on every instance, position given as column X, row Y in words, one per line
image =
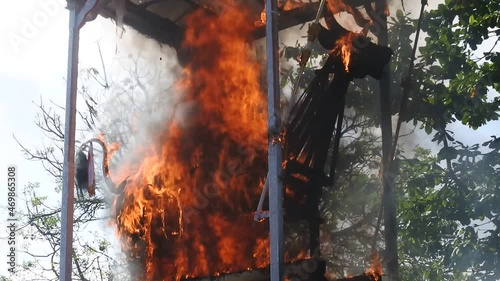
column 453, row 82
column 449, row 223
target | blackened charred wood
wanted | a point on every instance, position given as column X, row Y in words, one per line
column 309, row 141
column 298, row 211
column 295, row 167
column 300, row 127
column 301, row 188
column 149, row 24
column 309, row 135
column 336, row 144
column 318, row 84
column 337, row 90
column 302, row 270
column 297, row 185
column 302, row 136
column 366, row 58
column 82, row 173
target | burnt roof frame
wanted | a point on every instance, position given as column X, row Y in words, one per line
column 167, row 32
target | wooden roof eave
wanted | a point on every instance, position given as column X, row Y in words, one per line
column 167, row 32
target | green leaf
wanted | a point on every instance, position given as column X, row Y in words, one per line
column 495, row 144
column 428, row 129
column 448, row 153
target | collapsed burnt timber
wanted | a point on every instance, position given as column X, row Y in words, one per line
column 302, row 270
column 317, row 117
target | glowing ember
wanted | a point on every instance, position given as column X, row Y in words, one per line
column 187, row 210
column 263, row 16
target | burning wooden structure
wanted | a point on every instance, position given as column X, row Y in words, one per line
column 164, row 20
column 183, row 213
column 316, row 115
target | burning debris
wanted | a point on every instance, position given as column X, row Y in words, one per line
column 359, row 56
column 318, row 115
column 319, row 111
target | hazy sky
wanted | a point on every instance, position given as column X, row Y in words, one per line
column 33, row 62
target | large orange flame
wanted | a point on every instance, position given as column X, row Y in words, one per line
column 187, row 209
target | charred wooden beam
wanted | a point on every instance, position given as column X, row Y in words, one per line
column 170, row 33
column 303, row 270
column 149, row 24
column 366, row 57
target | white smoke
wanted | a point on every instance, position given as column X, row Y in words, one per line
column 135, row 97
column 141, row 74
